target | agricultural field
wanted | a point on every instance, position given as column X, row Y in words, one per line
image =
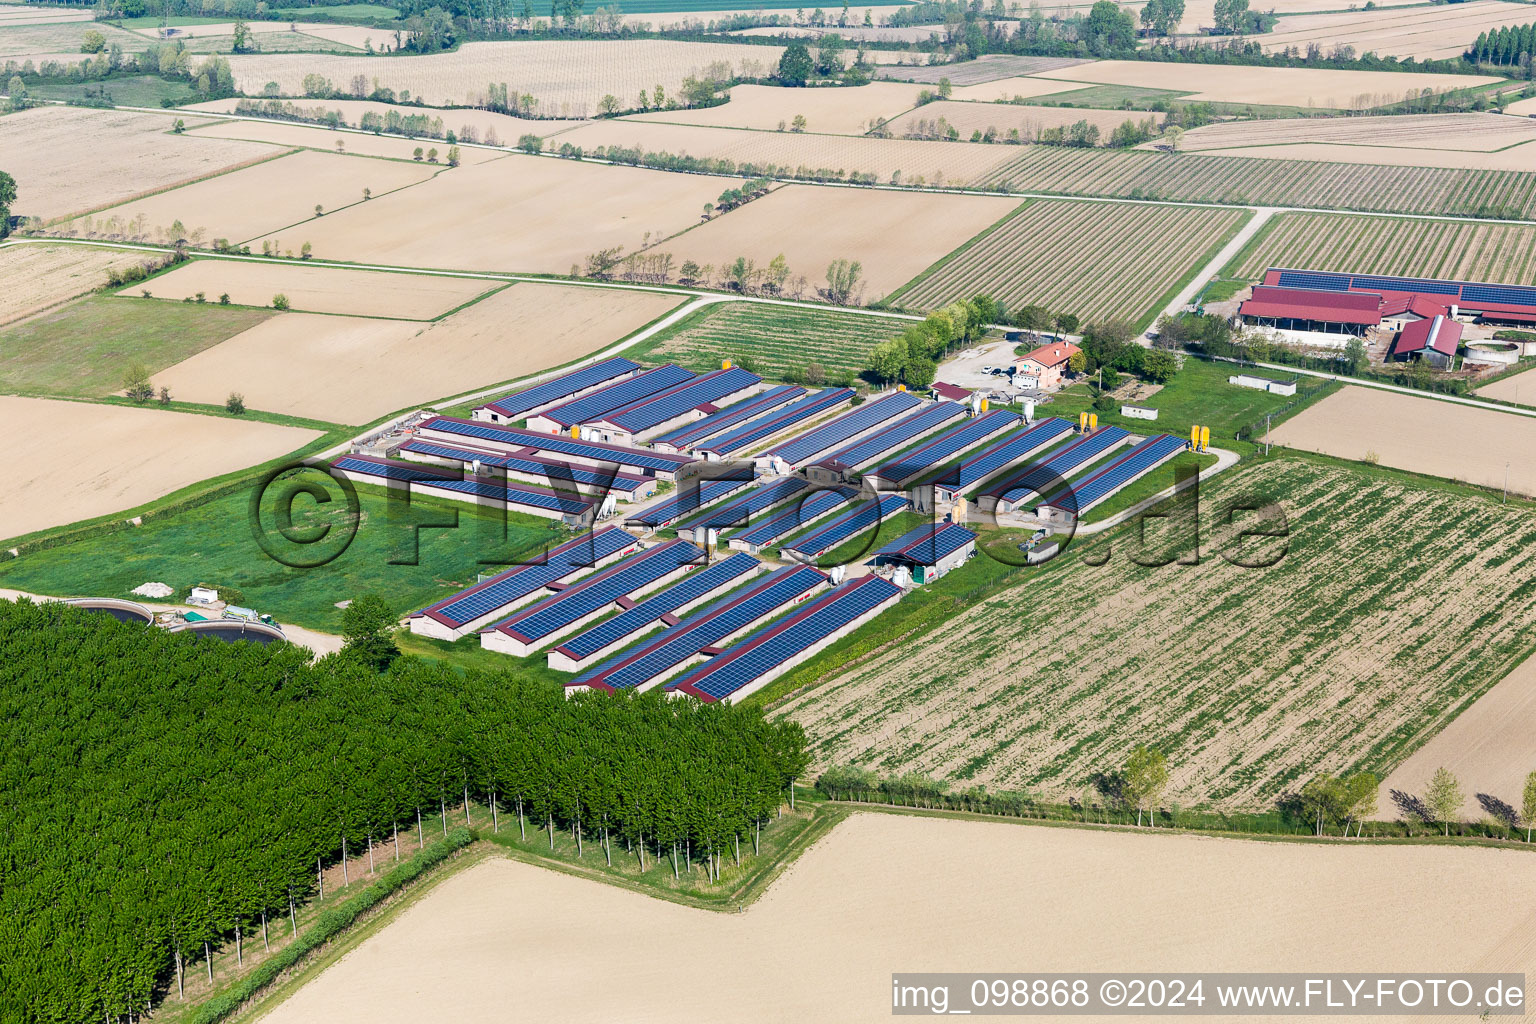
column 31, row 14
column 320, row 289
column 84, row 349
column 248, row 203
column 1479, row 132
column 29, row 41
column 893, row 235
column 111, row 156
column 990, row 67
column 1322, row 88
column 568, row 78
column 1422, row 435
column 1001, row 118
column 907, row 161
column 39, row 276
column 523, row 213
column 330, row 141
column 1195, row 177
column 1098, row 260
column 1425, row 33
column 478, row 125
column 1449, row 250
column 1519, row 388
column 1005, row 90
column 846, row 111
column 769, row 340
column 1386, row 158
column 81, row 461
column 1082, row 662
column 848, row 908
column 354, row 370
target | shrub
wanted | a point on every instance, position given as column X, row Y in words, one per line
column 235, row 404
column 279, row 301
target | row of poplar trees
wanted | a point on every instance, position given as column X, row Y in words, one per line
column 165, row 794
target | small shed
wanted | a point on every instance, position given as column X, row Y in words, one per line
column 1274, row 387
column 1138, row 412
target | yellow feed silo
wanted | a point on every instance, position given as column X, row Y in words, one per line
column 1205, row 438
column 1093, row 422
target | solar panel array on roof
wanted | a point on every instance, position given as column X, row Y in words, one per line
column 560, row 473
column 1002, row 454
column 518, row 402
column 739, row 511
column 594, row 450
column 598, row 591
column 690, row 497
column 896, row 435
column 797, row 515
column 850, row 524
column 1059, row 463
column 927, row 544
column 1079, row 497
column 830, row 435
column 657, row 409
column 1308, row 279
column 513, row 493
column 762, row 655
column 1404, row 284
column 945, row 446
column 781, row 419
column 689, row 589
column 1510, row 294
column 675, row 645
column 600, row 403
column 521, row 580
column 725, row 419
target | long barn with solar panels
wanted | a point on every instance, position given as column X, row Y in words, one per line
column 866, row 516
column 568, row 507
column 517, row 441
column 678, row 405
column 748, row 666
column 1002, row 456
column 560, row 418
column 742, row 510
column 659, row 610
column 903, row 432
column 686, row 437
column 845, row 429
column 1071, row 502
column 691, row 496
column 750, row 436
column 896, row 473
column 652, row 661
column 800, row 513
column 1312, row 300
column 929, row 551
column 541, row 624
column 535, row 469
column 489, row 600
column 522, row 404
column 1015, row 491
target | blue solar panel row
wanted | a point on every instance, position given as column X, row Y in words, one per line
column 781, row 419
column 598, row 591
column 1059, row 463
column 519, row 402
column 521, row 580
column 725, row 419
column 739, row 511
column 600, row 403
column 706, row 628
column 1314, row 281
column 690, row 497
column 893, row 437
column 829, row 435
column 561, row 474
column 666, row 405
column 560, row 443
column 797, row 515
column 760, row 654
column 1510, row 294
column 566, row 504
column 850, row 524
column 1002, row 454
column 945, row 446
column 927, row 544
column 1405, row 284
column 691, row 588
column 1095, row 488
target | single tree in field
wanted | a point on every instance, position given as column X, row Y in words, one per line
column 136, row 384
column 453, row 156
column 608, row 105
column 418, row 154
column 1443, row 797
column 367, row 194
column 165, row 395
column 1146, row 776
column 279, row 301
column 306, row 251
column 367, row 629
column 1528, row 805
column 224, row 299
column 319, row 210
column 842, row 279
column 235, row 404
column 798, row 124
column 1174, row 135
column 1359, row 799
column 795, row 66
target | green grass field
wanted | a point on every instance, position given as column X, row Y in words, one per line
column 83, row 349
column 1107, row 97
column 127, row 91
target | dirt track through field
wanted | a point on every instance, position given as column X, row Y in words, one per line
column 887, row 893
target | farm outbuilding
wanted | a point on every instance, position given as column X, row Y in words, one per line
column 1306, row 309
column 929, row 551
column 1434, row 341
column 529, row 401
column 1274, row 387
column 1138, row 412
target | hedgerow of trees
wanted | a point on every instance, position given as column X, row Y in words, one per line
column 168, row 794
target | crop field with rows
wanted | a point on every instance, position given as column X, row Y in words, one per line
column 1342, row 655
column 1098, row 260
column 1500, row 253
column 1198, row 178
column 771, row 340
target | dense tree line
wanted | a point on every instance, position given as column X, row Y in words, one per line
column 167, row 794
column 1509, row 46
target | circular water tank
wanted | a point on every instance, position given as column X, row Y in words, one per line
column 123, row 611
column 231, row 630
